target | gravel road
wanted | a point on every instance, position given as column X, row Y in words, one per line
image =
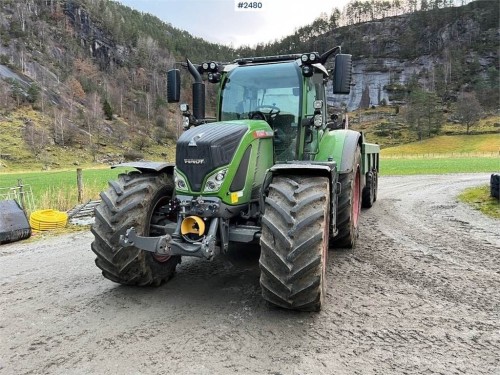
column 419, row 295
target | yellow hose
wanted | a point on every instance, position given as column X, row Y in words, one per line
column 48, row 220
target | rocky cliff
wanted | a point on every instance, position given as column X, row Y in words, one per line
column 453, row 47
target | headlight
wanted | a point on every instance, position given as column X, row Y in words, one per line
column 180, row 182
column 307, row 70
column 215, row 180
column 318, row 121
column 220, row 176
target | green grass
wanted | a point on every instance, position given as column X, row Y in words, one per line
column 58, row 189
column 487, row 144
column 395, row 166
column 479, row 198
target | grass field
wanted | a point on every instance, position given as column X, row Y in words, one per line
column 393, row 166
column 485, row 144
column 58, row 189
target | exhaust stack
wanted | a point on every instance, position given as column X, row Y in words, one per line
column 198, row 92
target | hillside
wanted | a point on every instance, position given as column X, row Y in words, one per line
column 83, row 81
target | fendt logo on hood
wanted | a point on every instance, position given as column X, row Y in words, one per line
column 194, row 161
column 192, row 142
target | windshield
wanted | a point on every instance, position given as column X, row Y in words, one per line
column 269, row 92
column 261, row 88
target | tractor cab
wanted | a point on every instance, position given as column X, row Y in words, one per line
column 266, row 92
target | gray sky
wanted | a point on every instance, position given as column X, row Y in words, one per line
column 218, row 21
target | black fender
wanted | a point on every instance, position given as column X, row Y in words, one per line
column 149, row 166
column 352, row 140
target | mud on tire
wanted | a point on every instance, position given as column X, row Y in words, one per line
column 294, row 242
column 130, row 202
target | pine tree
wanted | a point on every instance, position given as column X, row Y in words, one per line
column 108, row 111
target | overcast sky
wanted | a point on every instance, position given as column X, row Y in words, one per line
column 218, row 21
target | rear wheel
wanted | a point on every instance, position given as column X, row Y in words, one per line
column 369, row 190
column 349, row 205
column 294, row 242
column 133, row 201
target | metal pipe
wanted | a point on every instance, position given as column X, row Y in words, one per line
column 194, row 72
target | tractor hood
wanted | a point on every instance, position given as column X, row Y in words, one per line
column 207, row 147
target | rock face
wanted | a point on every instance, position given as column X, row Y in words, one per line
column 373, row 83
column 390, row 52
column 101, row 46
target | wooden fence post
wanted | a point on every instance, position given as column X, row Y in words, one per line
column 79, row 183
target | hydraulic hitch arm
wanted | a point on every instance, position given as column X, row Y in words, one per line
column 159, row 245
column 169, row 245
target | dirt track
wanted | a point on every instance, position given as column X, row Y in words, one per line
column 419, row 295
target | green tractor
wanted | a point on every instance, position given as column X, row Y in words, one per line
column 272, row 169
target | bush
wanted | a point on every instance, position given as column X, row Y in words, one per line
column 133, row 155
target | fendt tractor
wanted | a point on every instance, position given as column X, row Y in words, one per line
column 273, row 168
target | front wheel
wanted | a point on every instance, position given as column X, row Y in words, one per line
column 133, row 201
column 294, row 242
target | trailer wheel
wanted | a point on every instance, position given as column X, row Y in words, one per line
column 495, row 185
column 375, row 185
column 349, row 205
column 294, row 242
column 133, row 200
column 368, row 191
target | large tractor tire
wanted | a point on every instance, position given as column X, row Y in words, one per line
column 294, row 242
column 349, row 205
column 132, row 201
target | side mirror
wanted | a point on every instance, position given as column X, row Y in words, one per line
column 343, row 74
column 173, row 85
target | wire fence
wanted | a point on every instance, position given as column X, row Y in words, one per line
column 22, row 194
